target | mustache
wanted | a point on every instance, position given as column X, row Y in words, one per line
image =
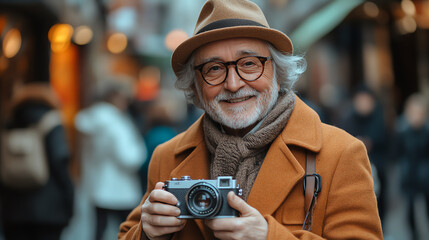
column 223, row 96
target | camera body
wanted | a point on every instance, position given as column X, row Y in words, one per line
column 203, row 198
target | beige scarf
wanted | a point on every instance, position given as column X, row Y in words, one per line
column 243, row 157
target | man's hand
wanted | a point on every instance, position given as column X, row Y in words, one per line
column 250, row 225
column 159, row 214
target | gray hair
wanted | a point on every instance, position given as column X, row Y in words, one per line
column 287, row 69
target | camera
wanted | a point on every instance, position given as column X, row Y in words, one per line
column 203, row 198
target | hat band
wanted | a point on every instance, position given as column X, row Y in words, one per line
column 230, row 22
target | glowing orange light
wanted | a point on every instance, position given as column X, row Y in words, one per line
column 117, row 43
column 175, row 38
column 60, row 37
column 12, row 43
column 149, row 83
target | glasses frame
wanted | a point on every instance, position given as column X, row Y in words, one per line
column 263, row 60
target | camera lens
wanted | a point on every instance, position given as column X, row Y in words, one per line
column 202, row 200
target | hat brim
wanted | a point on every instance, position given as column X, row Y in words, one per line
column 183, row 51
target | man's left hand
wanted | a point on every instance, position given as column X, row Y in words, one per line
column 250, row 225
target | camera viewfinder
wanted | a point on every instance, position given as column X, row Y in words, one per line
column 225, row 182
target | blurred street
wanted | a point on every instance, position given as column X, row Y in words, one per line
column 107, row 64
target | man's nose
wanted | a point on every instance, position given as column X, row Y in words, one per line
column 233, row 81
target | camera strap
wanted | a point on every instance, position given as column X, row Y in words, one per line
column 312, row 187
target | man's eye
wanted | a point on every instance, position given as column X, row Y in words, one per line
column 248, row 63
column 213, row 68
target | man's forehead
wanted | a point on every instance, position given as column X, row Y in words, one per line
column 231, row 47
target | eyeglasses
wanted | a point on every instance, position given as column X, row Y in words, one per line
column 249, row 68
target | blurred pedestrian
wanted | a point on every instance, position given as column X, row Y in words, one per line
column 113, row 151
column 42, row 212
column 365, row 120
column 412, row 150
column 160, row 129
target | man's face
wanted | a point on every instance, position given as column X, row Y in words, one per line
column 236, row 103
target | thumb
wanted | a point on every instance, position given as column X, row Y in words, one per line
column 239, row 204
column 159, row 185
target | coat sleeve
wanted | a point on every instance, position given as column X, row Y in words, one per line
column 351, row 208
column 132, row 229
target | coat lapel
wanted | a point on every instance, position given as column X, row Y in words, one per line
column 278, row 175
column 281, row 171
column 196, row 164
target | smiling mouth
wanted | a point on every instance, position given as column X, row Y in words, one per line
column 237, row 100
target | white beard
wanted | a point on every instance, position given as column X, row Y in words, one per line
column 243, row 116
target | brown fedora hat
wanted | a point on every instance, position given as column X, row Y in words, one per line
column 224, row 19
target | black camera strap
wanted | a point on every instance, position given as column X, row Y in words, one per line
column 312, row 188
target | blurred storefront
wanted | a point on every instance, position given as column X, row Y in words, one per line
column 76, row 44
column 43, row 41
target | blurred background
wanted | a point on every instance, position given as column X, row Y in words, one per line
column 378, row 47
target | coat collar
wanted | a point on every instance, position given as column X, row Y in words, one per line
column 302, row 130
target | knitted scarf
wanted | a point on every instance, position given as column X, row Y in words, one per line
column 242, row 157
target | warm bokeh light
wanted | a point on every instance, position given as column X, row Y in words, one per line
column 175, row 38
column 148, row 86
column 406, row 25
column 371, row 9
column 408, row 7
column 60, row 37
column 117, row 43
column 83, row 35
column 12, row 43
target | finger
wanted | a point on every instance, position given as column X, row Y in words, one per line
column 159, row 195
column 155, row 231
column 239, row 204
column 162, row 221
column 159, row 185
column 161, row 209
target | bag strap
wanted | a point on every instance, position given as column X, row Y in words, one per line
column 312, row 187
column 49, row 121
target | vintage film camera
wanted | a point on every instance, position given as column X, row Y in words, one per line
column 203, row 198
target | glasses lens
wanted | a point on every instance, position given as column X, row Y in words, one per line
column 213, row 72
column 250, row 68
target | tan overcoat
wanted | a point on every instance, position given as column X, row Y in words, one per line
column 346, row 207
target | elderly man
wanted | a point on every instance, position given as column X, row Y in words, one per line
column 241, row 72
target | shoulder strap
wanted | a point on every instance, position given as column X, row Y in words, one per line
column 309, row 180
column 312, row 187
column 49, row 121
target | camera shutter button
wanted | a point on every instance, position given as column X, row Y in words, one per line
column 185, row 178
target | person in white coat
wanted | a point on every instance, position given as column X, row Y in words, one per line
column 112, row 153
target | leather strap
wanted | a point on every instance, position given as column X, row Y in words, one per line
column 310, row 181
column 312, row 188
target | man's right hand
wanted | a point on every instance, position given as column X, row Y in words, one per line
column 159, row 214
